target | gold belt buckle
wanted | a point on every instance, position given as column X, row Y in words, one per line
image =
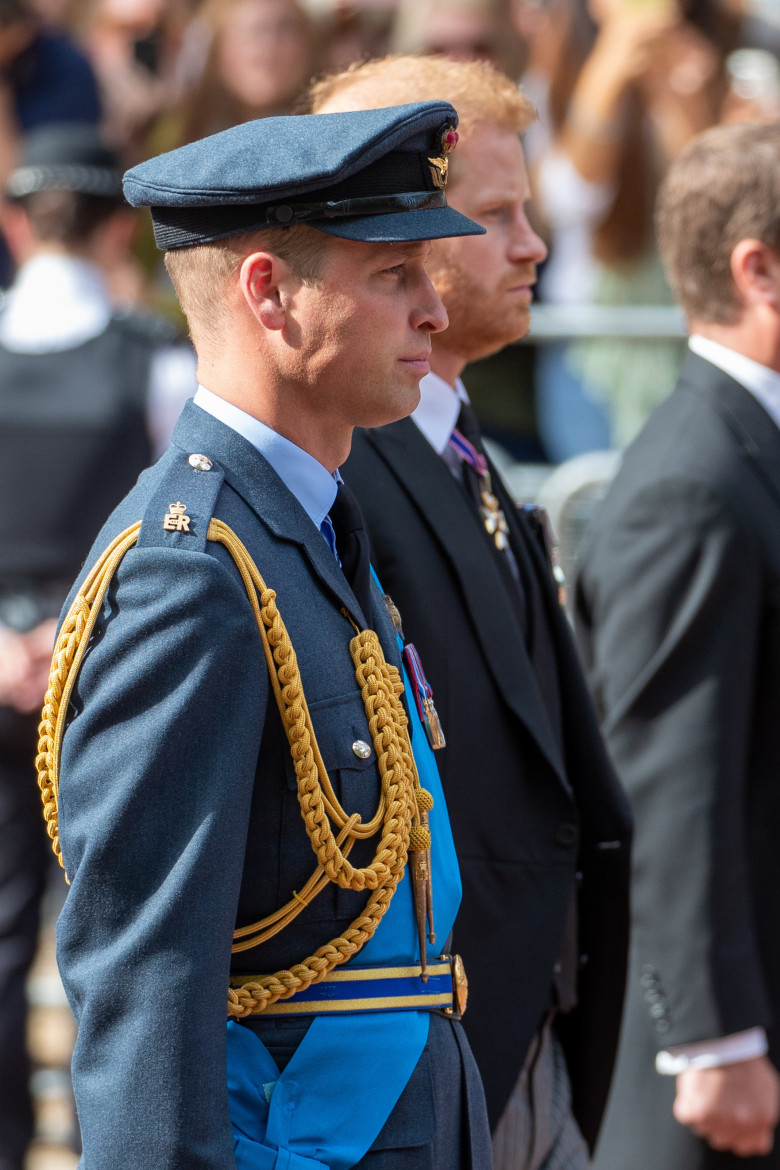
column 460, row 990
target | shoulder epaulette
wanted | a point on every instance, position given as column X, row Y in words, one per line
column 179, row 512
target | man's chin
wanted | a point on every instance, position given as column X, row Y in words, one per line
column 477, row 344
column 397, row 405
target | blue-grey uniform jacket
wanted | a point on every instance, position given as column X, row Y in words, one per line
column 179, row 815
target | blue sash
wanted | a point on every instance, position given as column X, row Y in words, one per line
column 327, row 1107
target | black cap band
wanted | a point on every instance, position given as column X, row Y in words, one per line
column 182, row 227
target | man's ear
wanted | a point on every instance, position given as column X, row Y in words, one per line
column 755, row 269
column 262, row 276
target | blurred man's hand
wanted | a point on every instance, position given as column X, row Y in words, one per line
column 735, row 1107
column 25, row 661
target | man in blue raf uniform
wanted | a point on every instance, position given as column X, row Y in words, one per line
column 236, row 774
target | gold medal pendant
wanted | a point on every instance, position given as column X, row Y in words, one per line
column 432, row 725
column 492, row 515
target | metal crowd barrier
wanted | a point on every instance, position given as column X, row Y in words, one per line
column 567, row 322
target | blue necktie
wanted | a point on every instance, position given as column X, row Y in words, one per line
column 352, row 546
column 329, row 532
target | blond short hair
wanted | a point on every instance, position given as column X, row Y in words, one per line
column 478, row 91
column 723, row 188
column 201, row 274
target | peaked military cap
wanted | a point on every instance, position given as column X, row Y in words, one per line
column 66, row 157
column 372, row 175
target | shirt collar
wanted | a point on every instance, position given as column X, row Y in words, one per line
column 762, row 382
column 438, row 410
column 56, row 302
column 312, row 484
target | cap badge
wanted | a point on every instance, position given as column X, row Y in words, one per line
column 449, row 139
column 438, row 168
column 176, row 518
column 440, row 165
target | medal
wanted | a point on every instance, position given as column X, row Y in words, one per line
column 394, row 614
column 423, row 697
column 492, row 514
column 543, row 531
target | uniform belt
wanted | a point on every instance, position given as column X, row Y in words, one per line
column 378, row 989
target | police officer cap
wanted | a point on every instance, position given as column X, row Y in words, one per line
column 372, row 175
column 66, row 157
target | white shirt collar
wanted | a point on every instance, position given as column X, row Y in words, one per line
column 56, row 302
column 763, row 383
column 438, row 410
column 312, row 484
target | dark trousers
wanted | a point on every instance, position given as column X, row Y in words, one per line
column 23, row 867
column 440, row 1119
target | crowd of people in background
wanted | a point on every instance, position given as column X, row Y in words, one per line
column 88, row 88
column 620, row 87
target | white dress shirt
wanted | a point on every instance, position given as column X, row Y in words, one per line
column 312, row 484
column 436, row 415
column 58, row 302
column 438, row 410
column 764, row 385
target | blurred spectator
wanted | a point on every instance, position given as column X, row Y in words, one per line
column 621, row 88
column 44, row 75
column 261, row 57
column 43, row 79
column 60, row 15
column 147, row 55
column 85, row 395
column 463, row 30
column 353, row 32
column 678, row 614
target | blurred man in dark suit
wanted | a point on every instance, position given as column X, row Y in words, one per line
column 536, row 811
column 678, row 612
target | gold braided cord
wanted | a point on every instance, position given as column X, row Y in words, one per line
column 69, row 649
column 261, row 931
column 332, row 832
column 381, row 687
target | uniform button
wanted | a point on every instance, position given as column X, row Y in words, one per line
column 557, row 968
column 361, row 749
column 200, row 462
column 567, row 835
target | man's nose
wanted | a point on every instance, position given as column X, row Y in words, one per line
column 431, row 315
column 525, row 244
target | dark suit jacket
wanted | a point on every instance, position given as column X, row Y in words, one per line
column 531, row 796
column 179, row 812
column 678, row 613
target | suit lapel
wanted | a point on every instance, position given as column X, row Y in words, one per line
column 756, row 432
column 253, row 478
column 445, row 511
